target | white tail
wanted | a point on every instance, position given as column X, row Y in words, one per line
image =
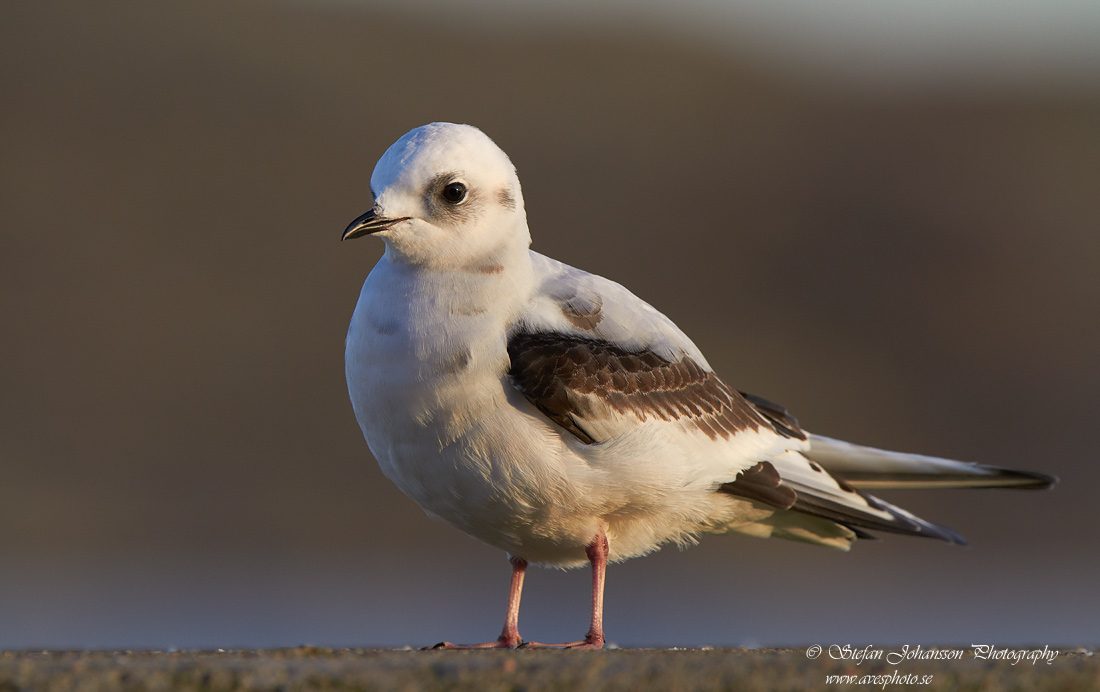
column 867, row 467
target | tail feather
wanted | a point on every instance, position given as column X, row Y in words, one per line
column 867, row 467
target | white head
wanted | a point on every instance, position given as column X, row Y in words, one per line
column 445, row 196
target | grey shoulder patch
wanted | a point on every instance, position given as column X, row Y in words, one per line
column 581, row 307
column 583, row 312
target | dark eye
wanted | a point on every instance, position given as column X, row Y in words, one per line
column 455, row 193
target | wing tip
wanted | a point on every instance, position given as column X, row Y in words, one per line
column 1014, row 479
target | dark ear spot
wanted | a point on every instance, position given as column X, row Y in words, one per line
column 506, row 198
column 444, row 211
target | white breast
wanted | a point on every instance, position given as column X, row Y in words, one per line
column 426, row 367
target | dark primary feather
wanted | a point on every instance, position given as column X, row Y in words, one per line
column 761, row 483
column 899, row 521
column 784, row 423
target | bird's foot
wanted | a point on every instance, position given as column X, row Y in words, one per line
column 501, row 643
column 589, row 642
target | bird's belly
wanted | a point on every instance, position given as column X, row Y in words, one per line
column 464, row 449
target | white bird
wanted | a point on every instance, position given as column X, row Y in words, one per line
column 551, row 413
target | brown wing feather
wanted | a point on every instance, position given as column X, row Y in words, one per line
column 570, row 378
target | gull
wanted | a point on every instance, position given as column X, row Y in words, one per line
column 553, row 414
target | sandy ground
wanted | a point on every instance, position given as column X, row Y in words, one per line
column 310, row 668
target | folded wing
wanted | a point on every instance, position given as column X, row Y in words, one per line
column 599, row 362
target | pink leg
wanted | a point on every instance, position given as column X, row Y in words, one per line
column 509, row 636
column 597, row 552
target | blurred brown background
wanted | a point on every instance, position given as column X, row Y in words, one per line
column 906, row 259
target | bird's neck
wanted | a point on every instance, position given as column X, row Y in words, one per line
column 494, row 287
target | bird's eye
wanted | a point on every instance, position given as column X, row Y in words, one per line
column 455, row 193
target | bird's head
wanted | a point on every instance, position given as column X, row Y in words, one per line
column 445, row 196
